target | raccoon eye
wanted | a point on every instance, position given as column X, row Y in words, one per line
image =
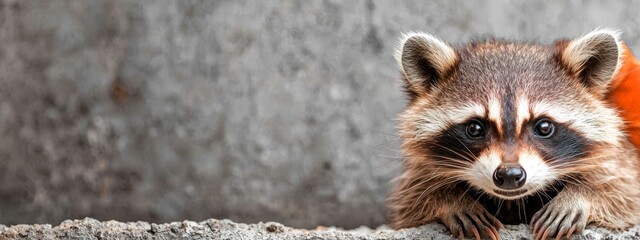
column 544, row 128
column 475, row 129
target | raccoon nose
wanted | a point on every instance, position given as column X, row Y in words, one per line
column 509, row 176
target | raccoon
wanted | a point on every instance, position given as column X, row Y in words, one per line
column 511, row 132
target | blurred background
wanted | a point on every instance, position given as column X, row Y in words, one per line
column 248, row 110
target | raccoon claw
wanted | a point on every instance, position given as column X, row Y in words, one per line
column 556, row 219
column 475, row 224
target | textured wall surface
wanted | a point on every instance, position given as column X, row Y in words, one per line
column 249, row 110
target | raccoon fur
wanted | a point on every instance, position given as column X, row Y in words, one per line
column 511, row 132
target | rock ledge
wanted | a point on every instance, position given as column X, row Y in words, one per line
column 225, row 229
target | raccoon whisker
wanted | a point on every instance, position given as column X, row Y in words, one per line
column 582, row 185
column 546, row 195
column 427, row 155
column 406, row 156
column 430, row 166
column 399, row 194
column 463, row 161
column 458, row 162
column 478, row 198
column 573, row 180
column 430, row 189
column 453, row 164
column 499, row 207
column 518, row 205
column 575, row 161
column 468, row 158
column 437, row 174
column 538, row 194
column 427, row 168
column 446, row 180
column 464, row 193
column 564, row 159
column 554, row 187
column 571, row 160
column 465, row 146
column 542, row 192
column 524, row 211
column 576, row 155
column 583, row 163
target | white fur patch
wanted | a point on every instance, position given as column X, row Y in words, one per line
column 595, row 122
column 480, row 174
column 434, row 120
column 539, row 175
column 495, row 113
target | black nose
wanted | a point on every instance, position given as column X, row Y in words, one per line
column 509, row 176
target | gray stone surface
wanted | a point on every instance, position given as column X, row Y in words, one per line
column 225, row 229
column 249, row 110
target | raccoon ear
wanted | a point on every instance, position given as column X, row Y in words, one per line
column 593, row 58
column 424, row 60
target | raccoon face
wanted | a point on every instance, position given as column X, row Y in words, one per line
column 510, row 119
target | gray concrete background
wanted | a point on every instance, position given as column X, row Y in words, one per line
column 249, row 110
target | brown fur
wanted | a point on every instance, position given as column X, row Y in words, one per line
column 599, row 185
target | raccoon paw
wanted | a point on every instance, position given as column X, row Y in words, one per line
column 557, row 219
column 473, row 222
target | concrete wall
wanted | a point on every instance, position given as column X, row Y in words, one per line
column 249, row 110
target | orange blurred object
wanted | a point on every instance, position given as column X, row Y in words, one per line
column 625, row 95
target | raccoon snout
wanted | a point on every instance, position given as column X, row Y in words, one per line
column 509, row 177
